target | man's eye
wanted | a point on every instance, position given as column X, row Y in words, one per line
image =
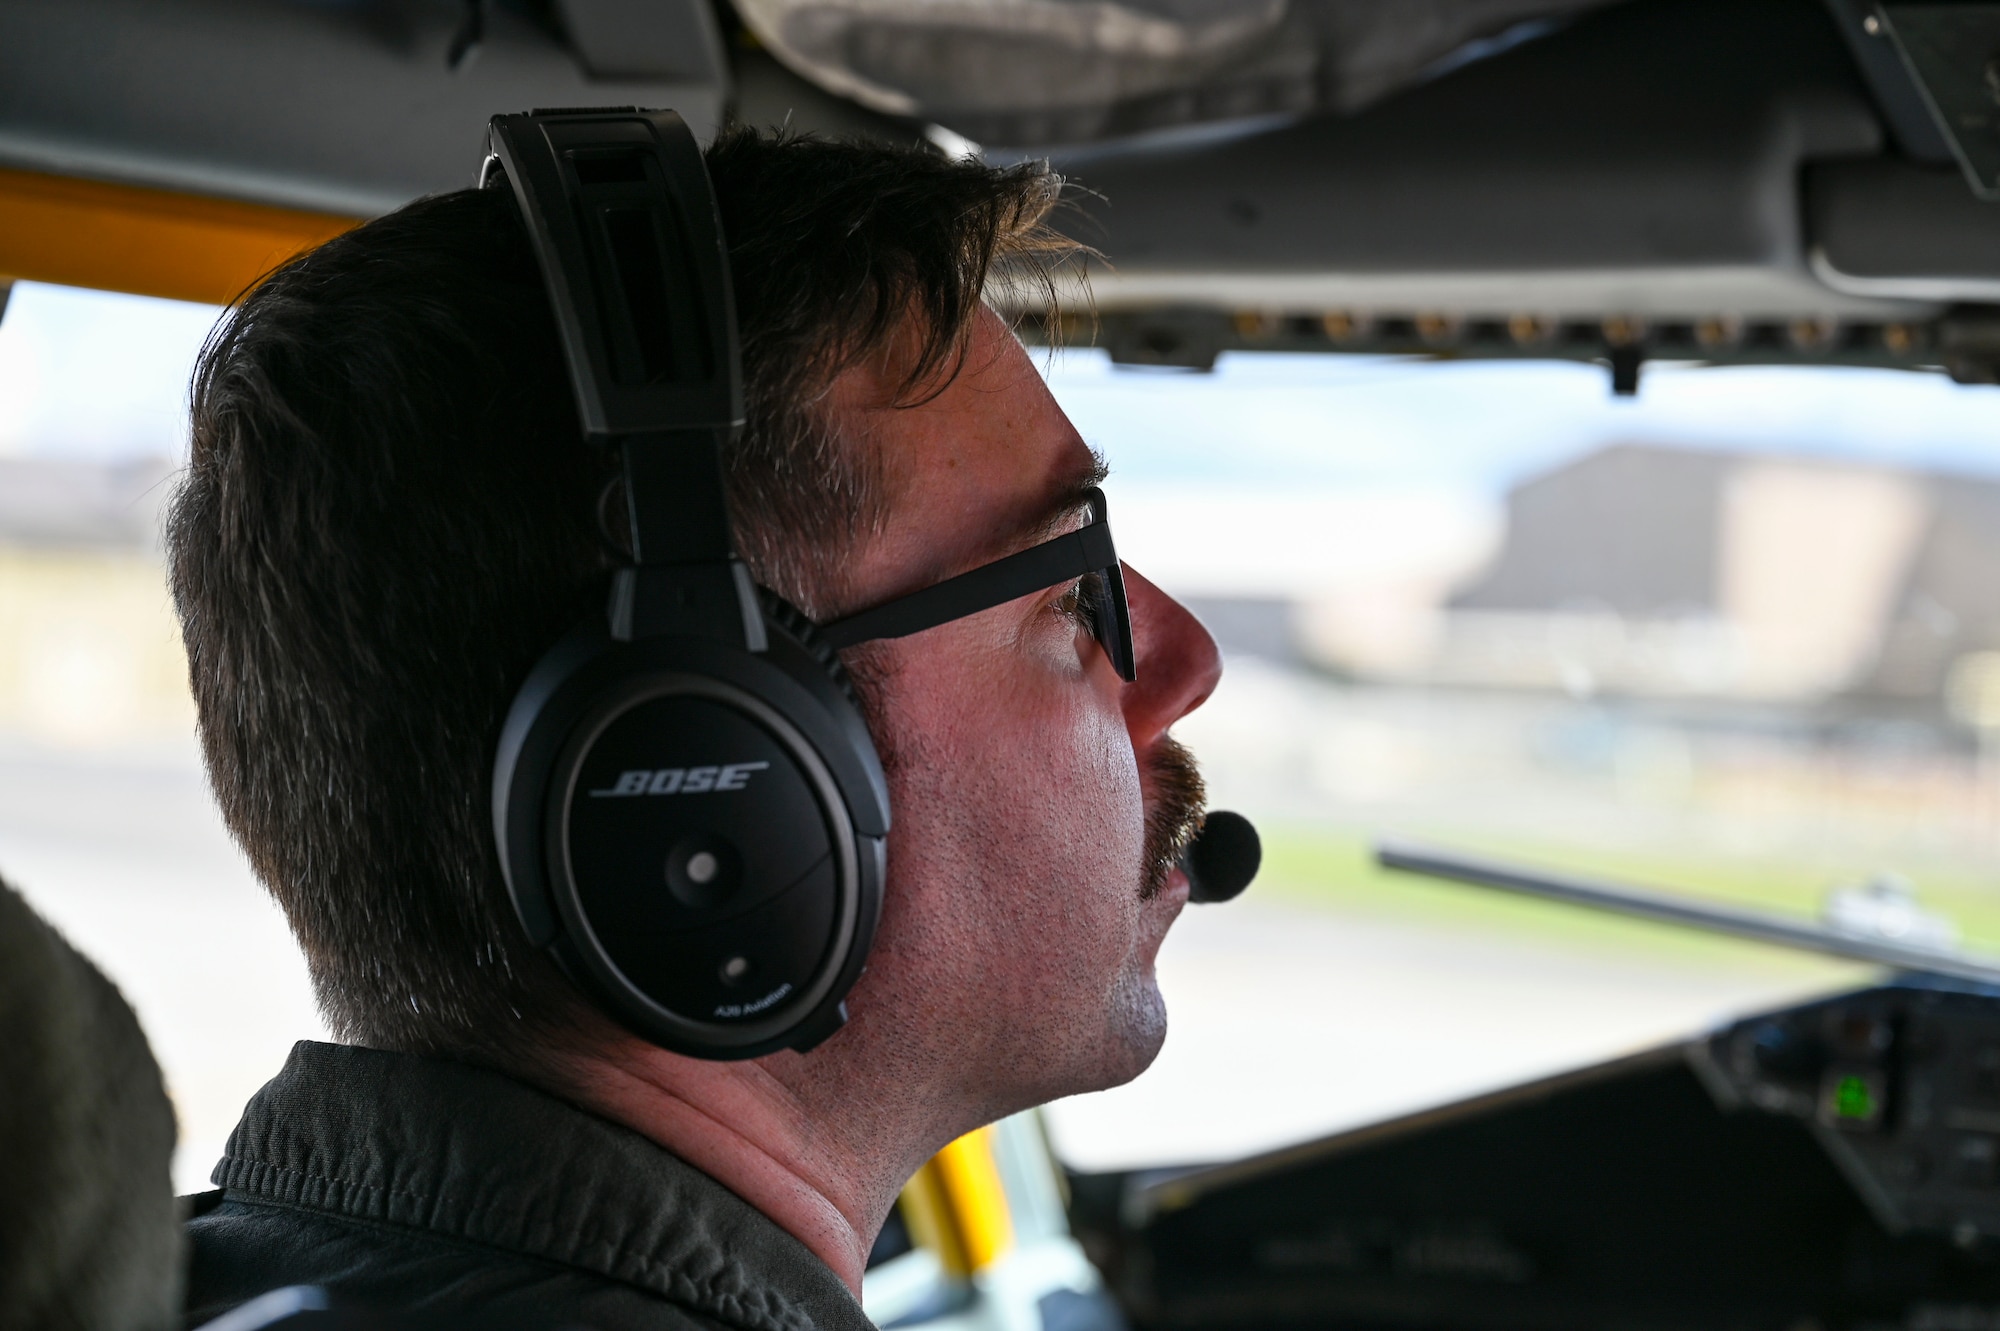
column 1081, row 603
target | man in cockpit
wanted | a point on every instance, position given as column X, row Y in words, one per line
column 390, row 514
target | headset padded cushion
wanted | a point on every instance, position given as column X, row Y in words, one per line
column 793, row 621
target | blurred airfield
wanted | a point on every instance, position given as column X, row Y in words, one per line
column 122, row 850
column 1282, row 501
column 1327, row 998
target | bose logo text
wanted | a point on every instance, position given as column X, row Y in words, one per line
column 681, row 780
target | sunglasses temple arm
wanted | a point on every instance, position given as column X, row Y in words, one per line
column 1068, row 556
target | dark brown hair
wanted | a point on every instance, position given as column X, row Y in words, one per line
column 390, row 513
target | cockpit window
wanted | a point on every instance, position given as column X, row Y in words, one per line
column 1736, row 638
column 106, row 824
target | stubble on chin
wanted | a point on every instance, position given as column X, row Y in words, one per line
column 1078, row 1050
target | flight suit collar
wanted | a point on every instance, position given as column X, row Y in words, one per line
column 470, row 1154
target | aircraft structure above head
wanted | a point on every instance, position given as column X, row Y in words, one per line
column 1497, row 178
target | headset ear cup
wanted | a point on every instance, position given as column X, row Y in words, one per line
column 782, row 614
column 597, row 809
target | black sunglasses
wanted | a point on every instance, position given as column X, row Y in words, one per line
column 1085, row 554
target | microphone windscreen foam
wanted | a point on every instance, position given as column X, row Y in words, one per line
column 1224, row 857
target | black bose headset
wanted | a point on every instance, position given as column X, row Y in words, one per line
column 688, row 804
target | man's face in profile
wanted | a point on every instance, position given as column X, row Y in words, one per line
column 1038, row 801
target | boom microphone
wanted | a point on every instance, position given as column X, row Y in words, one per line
column 1223, row 857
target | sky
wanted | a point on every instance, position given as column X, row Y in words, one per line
column 1271, row 472
column 92, row 374
column 1325, row 422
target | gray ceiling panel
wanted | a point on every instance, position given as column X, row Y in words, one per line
column 1652, row 137
column 1892, row 228
column 1646, row 159
column 346, row 107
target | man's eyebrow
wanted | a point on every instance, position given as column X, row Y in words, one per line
column 1070, row 494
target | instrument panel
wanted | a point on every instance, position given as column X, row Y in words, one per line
column 1900, row 1085
column 1830, row 1166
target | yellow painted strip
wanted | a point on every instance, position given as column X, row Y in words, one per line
column 927, row 1212
column 86, row 233
column 970, row 1180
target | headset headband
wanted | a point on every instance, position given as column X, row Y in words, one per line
column 623, row 222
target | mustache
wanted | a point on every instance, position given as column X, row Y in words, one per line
column 1177, row 802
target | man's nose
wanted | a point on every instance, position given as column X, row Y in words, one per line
column 1179, row 663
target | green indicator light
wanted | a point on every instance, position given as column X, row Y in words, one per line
column 1853, row 1099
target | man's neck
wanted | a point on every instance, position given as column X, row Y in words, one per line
column 746, row 1128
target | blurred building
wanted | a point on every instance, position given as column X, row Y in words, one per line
column 90, row 653
column 1655, row 572
column 67, row 504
